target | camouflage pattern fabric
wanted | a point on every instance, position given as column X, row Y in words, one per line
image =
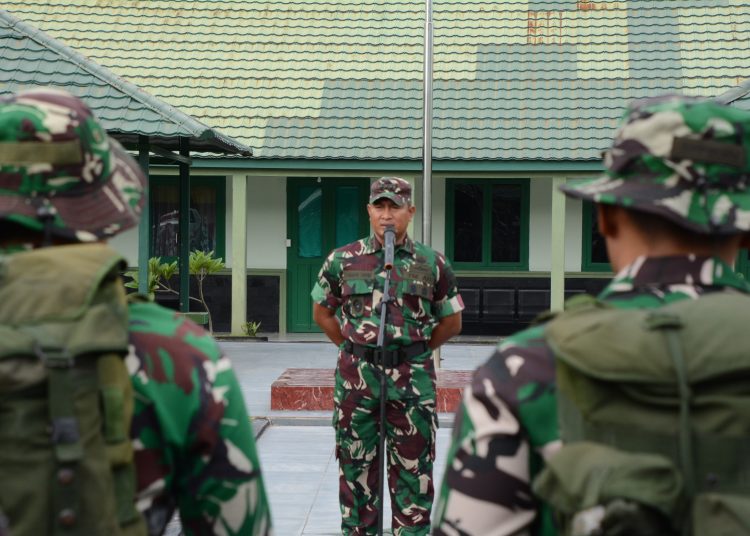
column 411, row 421
column 684, row 159
column 194, row 446
column 422, row 282
column 57, row 161
column 424, row 287
column 394, row 188
column 506, row 425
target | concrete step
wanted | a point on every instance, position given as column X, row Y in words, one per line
column 312, row 389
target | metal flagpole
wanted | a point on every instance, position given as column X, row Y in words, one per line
column 427, row 129
column 427, row 140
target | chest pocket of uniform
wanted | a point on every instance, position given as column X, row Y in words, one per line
column 423, row 289
column 357, row 295
column 419, row 281
column 417, row 298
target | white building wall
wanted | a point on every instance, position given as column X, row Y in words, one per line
column 127, row 245
column 266, row 222
column 266, row 226
column 540, row 229
column 267, row 232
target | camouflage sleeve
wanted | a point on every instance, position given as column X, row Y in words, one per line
column 447, row 300
column 193, row 441
column 504, row 427
column 327, row 289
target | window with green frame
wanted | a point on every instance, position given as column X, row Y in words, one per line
column 487, row 224
column 594, row 248
column 207, row 215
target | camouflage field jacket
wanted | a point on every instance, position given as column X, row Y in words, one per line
column 507, row 423
column 193, row 441
column 422, row 284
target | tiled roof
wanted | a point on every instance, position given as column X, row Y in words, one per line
column 31, row 58
column 514, row 80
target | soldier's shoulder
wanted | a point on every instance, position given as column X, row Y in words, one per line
column 530, row 337
column 150, row 316
column 521, row 358
column 153, row 326
column 423, row 249
column 428, row 254
column 351, row 249
column 521, row 367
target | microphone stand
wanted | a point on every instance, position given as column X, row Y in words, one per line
column 388, row 238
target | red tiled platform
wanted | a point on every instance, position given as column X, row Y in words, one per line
column 312, row 389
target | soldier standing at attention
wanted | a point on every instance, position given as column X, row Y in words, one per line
column 65, row 188
column 426, row 313
column 674, row 209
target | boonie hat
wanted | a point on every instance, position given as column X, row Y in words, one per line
column 57, row 163
column 394, row 188
column 685, row 159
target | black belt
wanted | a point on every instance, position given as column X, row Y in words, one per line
column 388, row 358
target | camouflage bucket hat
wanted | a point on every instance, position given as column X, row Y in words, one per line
column 394, row 188
column 57, row 160
column 685, row 159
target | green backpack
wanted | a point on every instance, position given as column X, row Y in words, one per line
column 66, row 401
column 654, row 412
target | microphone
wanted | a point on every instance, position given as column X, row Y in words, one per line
column 389, row 237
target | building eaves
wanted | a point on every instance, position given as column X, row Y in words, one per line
column 738, row 96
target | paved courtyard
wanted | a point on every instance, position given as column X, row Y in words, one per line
column 296, row 447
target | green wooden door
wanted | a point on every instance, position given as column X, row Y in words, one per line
column 742, row 266
column 323, row 214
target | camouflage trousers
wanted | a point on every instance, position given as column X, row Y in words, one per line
column 411, row 421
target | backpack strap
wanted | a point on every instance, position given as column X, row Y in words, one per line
column 670, row 324
column 117, row 410
column 66, row 436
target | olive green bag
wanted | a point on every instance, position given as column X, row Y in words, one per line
column 654, row 411
column 66, row 401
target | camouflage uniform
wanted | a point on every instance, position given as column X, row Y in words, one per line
column 61, row 174
column 507, row 425
column 194, row 446
column 422, row 282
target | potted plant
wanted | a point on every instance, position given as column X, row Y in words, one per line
column 251, row 330
column 201, row 265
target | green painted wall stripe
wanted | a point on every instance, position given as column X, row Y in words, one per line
column 468, row 166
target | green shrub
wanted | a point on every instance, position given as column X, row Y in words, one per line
column 200, row 264
column 251, row 328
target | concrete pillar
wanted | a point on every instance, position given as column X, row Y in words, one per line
column 239, row 253
column 557, row 249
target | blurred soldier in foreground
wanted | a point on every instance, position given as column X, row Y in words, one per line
column 628, row 414
column 424, row 313
column 85, row 374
